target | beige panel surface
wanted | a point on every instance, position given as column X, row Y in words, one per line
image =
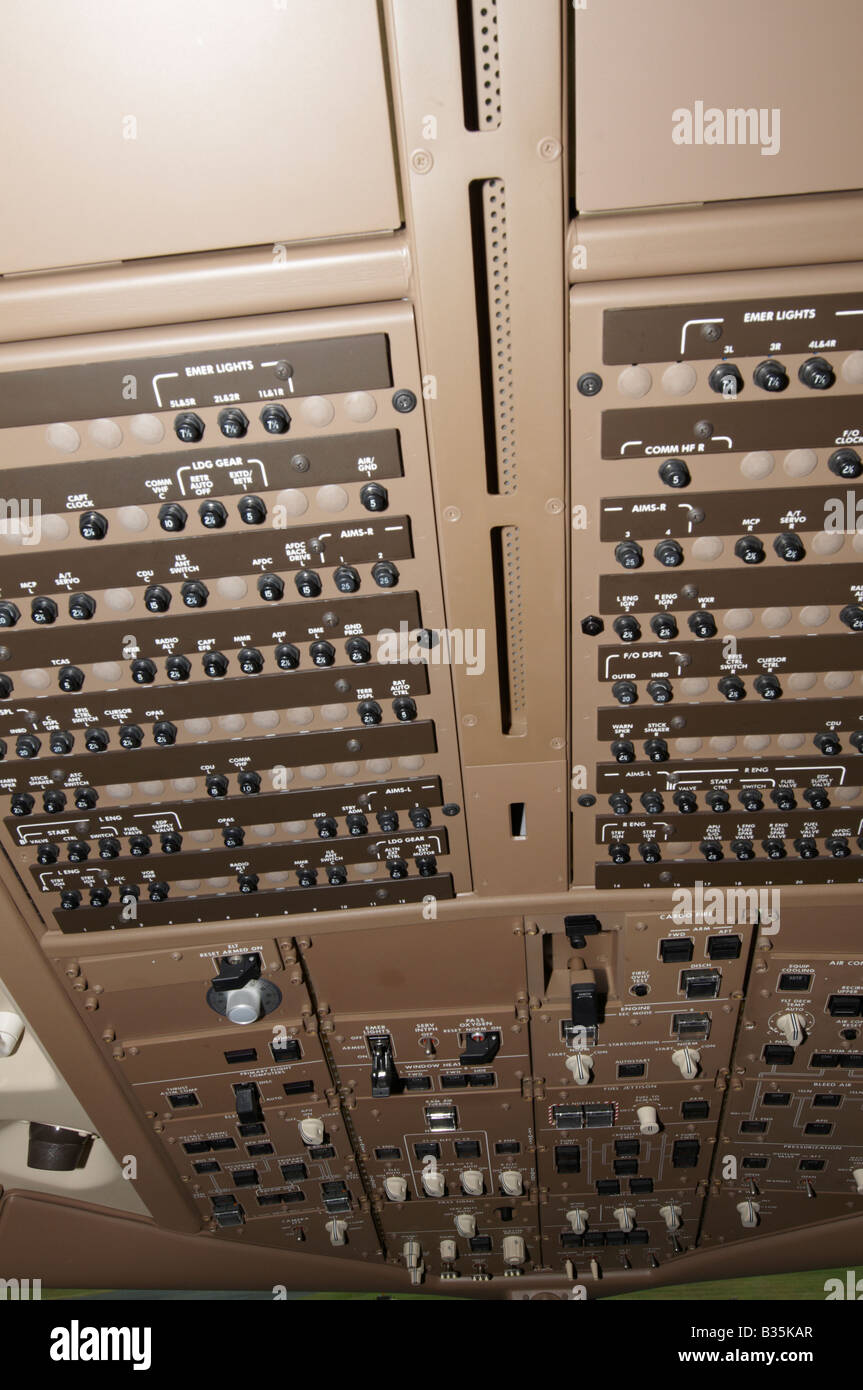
column 636, row 64
column 199, row 130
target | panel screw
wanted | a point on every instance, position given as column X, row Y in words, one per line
column 421, row 161
column 592, row 626
column 283, row 370
column 451, row 808
column 587, row 800
column 404, row 401
column 554, row 506
column 549, row 148
column 589, row 384
column 710, row 332
column 300, row 463
column 452, row 513
column 703, row 430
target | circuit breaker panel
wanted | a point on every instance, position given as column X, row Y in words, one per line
column 431, row 725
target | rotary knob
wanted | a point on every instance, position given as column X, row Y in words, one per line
column 648, row 1120
column 581, row 1067
column 396, row 1189
column 472, row 1182
column 687, row 1060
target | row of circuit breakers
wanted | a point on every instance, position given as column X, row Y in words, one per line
column 222, row 603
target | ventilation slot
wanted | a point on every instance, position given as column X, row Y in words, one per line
column 506, row 572
column 480, row 63
column 494, row 332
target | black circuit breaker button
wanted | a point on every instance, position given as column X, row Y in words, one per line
column 286, row 1050
column 724, row 947
column 586, row 1004
column 480, row 1047
column 778, row 1055
column 248, row 1103
column 845, row 1005
column 685, row 1153
column 695, row 1109
column 480, row 1245
column 567, row 1158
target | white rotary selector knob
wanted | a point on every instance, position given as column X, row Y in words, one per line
column 434, row 1182
column 581, row 1067
column 312, row 1131
column 748, row 1213
column 577, row 1218
column 472, row 1182
column 648, row 1120
column 396, row 1188
column 857, row 1175
column 448, row 1251
column 337, row 1232
column 512, row 1182
column 625, row 1217
column 791, row 1028
column 465, row 1224
column 687, row 1060
column 671, row 1215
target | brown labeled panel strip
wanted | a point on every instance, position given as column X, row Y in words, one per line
column 208, row 557
column 765, row 510
column 684, row 589
column 249, row 859
column 733, row 770
column 746, row 328
column 288, row 750
column 186, row 381
column 203, row 814
column 157, row 634
column 771, row 823
column 735, row 426
column 191, row 475
column 749, row 716
column 236, row 907
column 753, row 654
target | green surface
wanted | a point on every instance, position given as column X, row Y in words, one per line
column 805, row 1286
